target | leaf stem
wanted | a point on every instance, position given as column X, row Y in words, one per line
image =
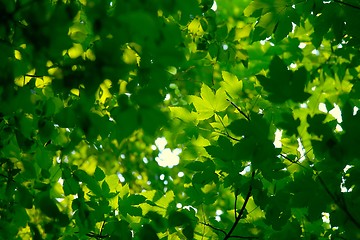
column 235, row 208
column 341, row 205
column 33, row 76
column 102, row 228
column 240, row 111
column 212, row 227
column 226, row 131
column 347, row 4
column 242, row 210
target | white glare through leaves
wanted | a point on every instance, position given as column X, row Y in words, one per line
column 214, row 6
column 166, row 157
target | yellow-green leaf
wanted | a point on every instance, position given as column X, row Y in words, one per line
column 220, row 103
column 203, row 108
column 209, row 103
column 231, row 84
column 183, row 114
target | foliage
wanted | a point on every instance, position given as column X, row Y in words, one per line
column 260, row 97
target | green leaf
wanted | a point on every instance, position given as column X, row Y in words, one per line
column 43, row 158
column 284, row 84
column 240, row 127
column 195, row 165
column 105, row 188
column 91, row 183
column 136, row 199
column 289, row 124
column 147, row 232
column 87, row 88
column 66, row 173
column 127, row 204
column 99, row 174
column 158, row 220
column 118, row 229
column 112, row 181
column 272, row 18
column 231, row 84
column 47, row 205
column 204, row 108
column 20, row 217
column 224, row 151
column 178, row 219
column 70, row 186
column 209, row 103
column 203, row 178
column 183, row 114
column 188, row 231
column 24, row 197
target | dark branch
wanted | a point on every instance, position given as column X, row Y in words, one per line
column 287, row 158
column 226, row 131
column 97, row 236
column 242, row 210
column 338, row 202
column 235, row 208
column 347, row 4
column 243, row 237
column 7, row 177
column 33, row 76
column 235, row 139
column 102, row 227
column 220, row 230
column 240, row 111
column 215, row 228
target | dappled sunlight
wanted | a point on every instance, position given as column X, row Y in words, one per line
column 167, row 157
column 195, row 119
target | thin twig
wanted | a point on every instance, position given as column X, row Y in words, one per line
column 222, row 123
column 347, row 4
column 243, row 237
column 235, row 139
column 240, row 111
column 215, row 228
column 295, row 162
column 102, row 227
column 341, row 205
column 97, row 236
column 33, row 76
column 219, row 132
column 7, row 177
column 202, row 211
column 235, row 208
column 287, row 158
column 242, row 210
column 226, row 131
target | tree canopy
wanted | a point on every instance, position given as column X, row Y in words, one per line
column 191, row 119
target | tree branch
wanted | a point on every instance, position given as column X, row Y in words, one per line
column 226, row 131
column 235, row 208
column 212, row 227
column 235, row 139
column 347, row 4
column 243, row 237
column 240, row 111
column 97, row 236
column 341, row 205
column 33, row 76
column 102, row 227
column 7, row 177
column 220, row 230
column 242, row 210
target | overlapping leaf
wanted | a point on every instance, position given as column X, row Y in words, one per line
column 209, row 103
column 284, row 84
column 274, row 17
